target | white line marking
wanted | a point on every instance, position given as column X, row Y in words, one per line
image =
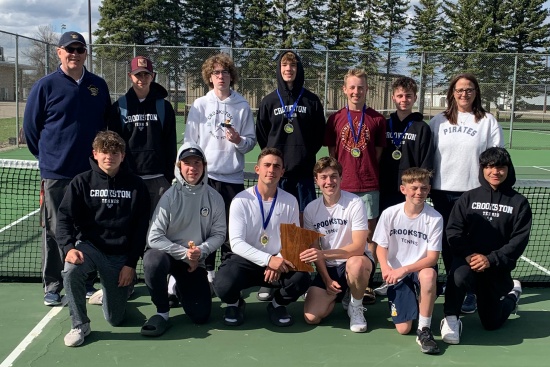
column 544, row 169
column 541, row 268
column 19, row 220
column 8, row 362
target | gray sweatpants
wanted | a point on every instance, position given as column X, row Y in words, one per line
column 74, row 279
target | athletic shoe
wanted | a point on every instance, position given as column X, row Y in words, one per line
column 279, row 316
column 234, row 315
column 96, row 298
column 369, row 298
column 76, row 336
column 52, row 299
column 382, row 290
column 470, row 303
column 425, row 339
column 265, row 294
column 90, row 290
column 516, row 291
column 346, row 299
column 357, row 322
column 451, row 328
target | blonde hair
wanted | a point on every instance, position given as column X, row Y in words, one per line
column 358, row 73
column 415, row 174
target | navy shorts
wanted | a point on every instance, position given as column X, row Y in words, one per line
column 403, row 299
column 337, row 273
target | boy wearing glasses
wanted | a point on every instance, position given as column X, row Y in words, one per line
column 147, row 123
column 221, row 123
column 64, row 111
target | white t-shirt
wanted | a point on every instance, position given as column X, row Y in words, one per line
column 336, row 222
column 246, row 225
column 408, row 239
column 457, row 149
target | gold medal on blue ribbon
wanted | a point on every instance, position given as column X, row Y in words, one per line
column 396, row 154
column 264, row 240
column 355, row 152
column 289, row 128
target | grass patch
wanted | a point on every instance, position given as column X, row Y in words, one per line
column 8, row 129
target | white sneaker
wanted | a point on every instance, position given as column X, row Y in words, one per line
column 382, row 290
column 76, row 336
column 451, row 328
column 516, row 291
column 96, row 298
column 357, row 322
column 346, row 300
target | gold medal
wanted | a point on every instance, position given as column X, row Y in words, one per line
column 396, row 154
column 355, row 152
column 289, row 128
column 264, row 239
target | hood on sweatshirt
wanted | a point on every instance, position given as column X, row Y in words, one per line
column 497, row 156
column 298, row 81
column 203, row 182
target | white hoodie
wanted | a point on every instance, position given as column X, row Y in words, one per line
column 203, row 127
column 188, row 213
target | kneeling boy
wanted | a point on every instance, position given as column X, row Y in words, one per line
column 341, row 261
column 101, row 226
column 409, row 242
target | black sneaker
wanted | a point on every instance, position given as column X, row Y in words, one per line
column 234, row 315
column 279, row 316
column 265, row 294
column 425, row 339
column 173, row 301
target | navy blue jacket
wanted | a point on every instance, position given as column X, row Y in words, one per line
column 62, row 119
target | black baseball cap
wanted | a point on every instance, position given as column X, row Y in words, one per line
column 191, row 152
column 71, row 37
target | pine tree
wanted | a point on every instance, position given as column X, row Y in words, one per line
column 369, row 27
column 425, row 41
column 394, row 22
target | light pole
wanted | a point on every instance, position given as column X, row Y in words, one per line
column 90, row 67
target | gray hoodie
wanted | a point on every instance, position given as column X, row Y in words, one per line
column 188, row 213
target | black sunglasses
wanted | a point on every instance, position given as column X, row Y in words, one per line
column 72, row 50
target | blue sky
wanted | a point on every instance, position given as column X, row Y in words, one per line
column 24, row 16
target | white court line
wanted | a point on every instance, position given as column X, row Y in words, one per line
column 8, row 362
column 544, row 169
column 19, row 220
column 541, row 268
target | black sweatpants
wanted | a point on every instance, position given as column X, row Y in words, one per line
column 193, row 289
column 236, row 273
column 491, row 287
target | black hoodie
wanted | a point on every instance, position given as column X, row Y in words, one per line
column 150, row 146
column 301, row 146
column 494, row 223
column 112, row 213
column 416, row 148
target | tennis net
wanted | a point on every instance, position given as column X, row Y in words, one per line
column 21, row 234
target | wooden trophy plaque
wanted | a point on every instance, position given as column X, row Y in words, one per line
column 295, row 240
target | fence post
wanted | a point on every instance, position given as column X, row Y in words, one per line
column 422, row 89
column 47, row 58
column 513, row 106
column 17, row 87
column 326, row 85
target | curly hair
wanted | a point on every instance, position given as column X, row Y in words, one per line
column 226, row 62
column 108, row 142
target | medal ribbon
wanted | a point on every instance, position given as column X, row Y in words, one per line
column 397, row 142
column 350, row 121
column 289, row 113
column 265, row 221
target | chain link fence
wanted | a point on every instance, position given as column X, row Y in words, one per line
column 514, row 87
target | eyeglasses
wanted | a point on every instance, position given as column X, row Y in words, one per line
column 72, row 50
column 468, row 91
column 220, row 72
